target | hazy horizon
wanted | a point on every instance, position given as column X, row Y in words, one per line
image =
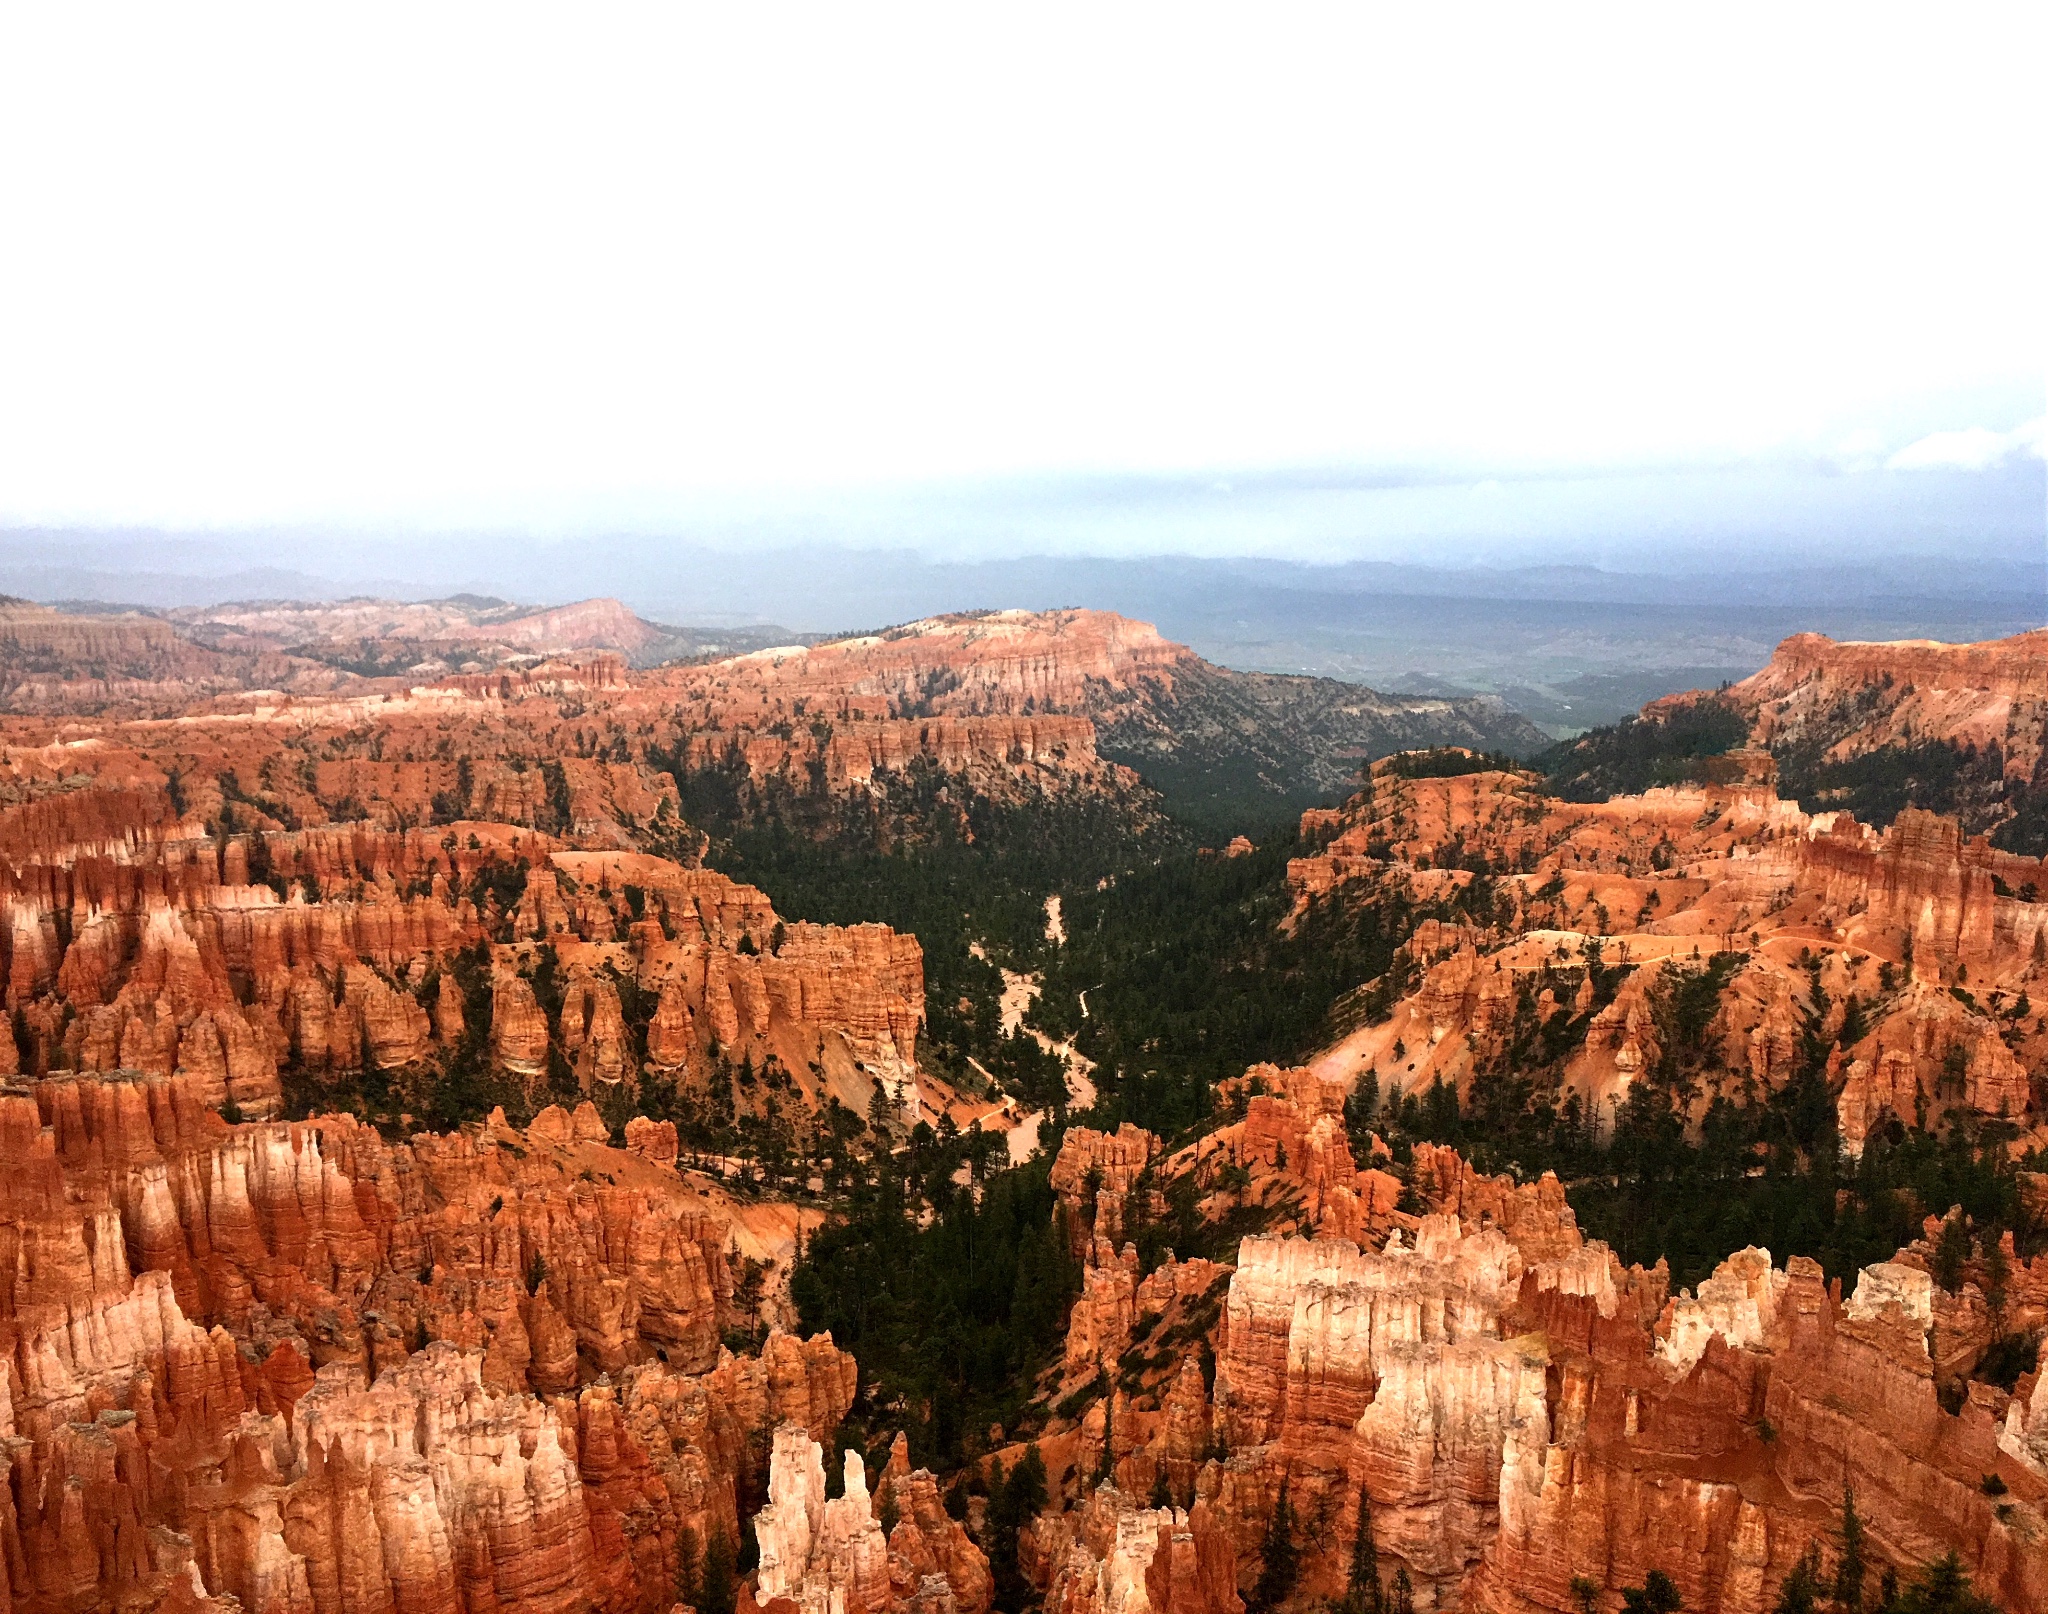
column 1333, row 287
column 1604, row 348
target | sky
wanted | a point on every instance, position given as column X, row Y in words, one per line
column 1315, row 282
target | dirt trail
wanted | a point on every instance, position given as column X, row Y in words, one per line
column 1020, row 991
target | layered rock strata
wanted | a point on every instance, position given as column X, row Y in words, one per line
column 831, row 1555
column 127, row 941
column 316, row 1371
column 1522, row 1411
column 1596, row 914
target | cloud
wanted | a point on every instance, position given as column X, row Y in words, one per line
column 1975, row 448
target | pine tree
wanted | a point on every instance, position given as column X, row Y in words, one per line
column 1801, row 1591
column 717, row 1591
column 1404, row 1592
column 1586, row 1593
column 1105, row 1470
column 688, row 1590
column 1951, row 1250
column 1162, row 1490
column 1656, row 1595
column 1013, row 1503
column 1279, row 1558
column 1849, row 1572
column 1364, row 1595
column 1997, row 1275
column 1943, row 1587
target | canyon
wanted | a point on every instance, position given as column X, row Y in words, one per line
column 418, row 1144
column 1805, row 914
column 301, row 1367
column 1955, row 728
column 1515, row 1408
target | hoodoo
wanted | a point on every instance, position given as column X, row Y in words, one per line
column 475, row 1146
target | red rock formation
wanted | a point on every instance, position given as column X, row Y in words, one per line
column 829, row 1555
column 1124, row 1559
column 128, row 941
column 1094, row 1177
column 932, row 1560
column 319, row 1370
column 1522, row 1411
column 430, row 627
column 1983, row 694
column 997, row 663
column 58, row 661
column 1653, row 888
column 987, row 750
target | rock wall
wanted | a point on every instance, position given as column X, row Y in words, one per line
column 831, row 1555
column 1941, row 940
column 1987, row 694
column 1521, row 1411
column 127, row 941
column 323, row 1372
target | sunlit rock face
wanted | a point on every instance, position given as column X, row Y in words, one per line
column 132, row 939
column 311, row 1369
column 1865, row 696
column 1939, row 939
column 1523, row 1410
column 830, row 1555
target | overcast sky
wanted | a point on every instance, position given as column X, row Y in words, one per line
column 426, row 268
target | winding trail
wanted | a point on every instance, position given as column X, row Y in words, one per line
column 1019, row 992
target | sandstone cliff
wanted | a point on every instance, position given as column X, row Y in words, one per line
column 1857, row 698
column 316, row 1371
column 1591, row 915
column 1520, row 1410
column 131, row 941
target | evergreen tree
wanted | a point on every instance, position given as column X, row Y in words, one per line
column 1403, row 1601
column 1279, row 1558
column 1013, row 1503
column 1849, row 1572
column 1364, row 1595
column 1997, row 1275
column 1024, row 1493
column 1943, row 1588
column 1105, row 1470
column 1162, row 1489
column 1656, row 1595
column 1802, row 1589
column 688, row 1589
column 717, row 1591
column 1951, row 1250
column 1361, row 1107
column 1586, row 1593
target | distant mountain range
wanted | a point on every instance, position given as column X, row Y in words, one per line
column 1570, row 646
